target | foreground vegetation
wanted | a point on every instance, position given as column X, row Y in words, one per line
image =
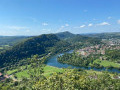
column 51, row 78
column 22, row 72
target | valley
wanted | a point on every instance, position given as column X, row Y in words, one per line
column 45, row 59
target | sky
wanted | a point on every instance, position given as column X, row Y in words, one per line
column 35, row 17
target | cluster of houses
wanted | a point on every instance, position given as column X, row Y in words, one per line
column 116, row 77
column 3, row 77
column 112, row 41
column 97, row 49
column 91, row 50
column 96, row 77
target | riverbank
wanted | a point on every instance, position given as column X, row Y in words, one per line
column 54, row 62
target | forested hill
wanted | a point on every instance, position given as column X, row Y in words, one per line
column 44, row 44
column 83, row 39
column 74, row 38
column 105, row 35
column 35, row 45
column 11, row 40
column 65, row 35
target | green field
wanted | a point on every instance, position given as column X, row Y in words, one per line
column 4, row 47
column 49, row 70
column 24, row 73
column 1, row 47
column 106, row 63
column 11, row 71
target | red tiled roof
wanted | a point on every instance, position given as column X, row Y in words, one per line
column 0, row 74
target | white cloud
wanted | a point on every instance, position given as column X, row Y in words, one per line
column 89, row 25
column 16, row 27
column 62, row 26
column 118, row 21
column 45, row 24
column 109, row 17
column 46, row 30
column 66, row 25
column 82, row 26
column 103, row 24
column 27, row 30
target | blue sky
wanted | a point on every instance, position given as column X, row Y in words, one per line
column 35, row 17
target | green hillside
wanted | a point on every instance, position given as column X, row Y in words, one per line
column 35, row 45
column 105, row 35
column 11, row 40
column 65, row 35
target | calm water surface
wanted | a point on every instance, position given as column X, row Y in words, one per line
column 53, row 62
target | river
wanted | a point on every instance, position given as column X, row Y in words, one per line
column 54, row 62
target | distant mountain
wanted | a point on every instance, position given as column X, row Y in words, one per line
column 76, row 38
column 35, row 45
column 105, row 35
column 65, row 35
column 84, row 39
column 11, row 40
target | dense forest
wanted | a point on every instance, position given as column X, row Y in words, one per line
column 78, row 60
column 36, row 45
column 113, row 55
column 84, row 39
column 65, row 35
column 11, row 40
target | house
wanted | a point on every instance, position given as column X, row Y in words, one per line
column 116, row 77
column 83, row 53
column 6, row 76
column 0, row 74
column 3, row 77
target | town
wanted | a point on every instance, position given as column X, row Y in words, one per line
column 110, row 44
